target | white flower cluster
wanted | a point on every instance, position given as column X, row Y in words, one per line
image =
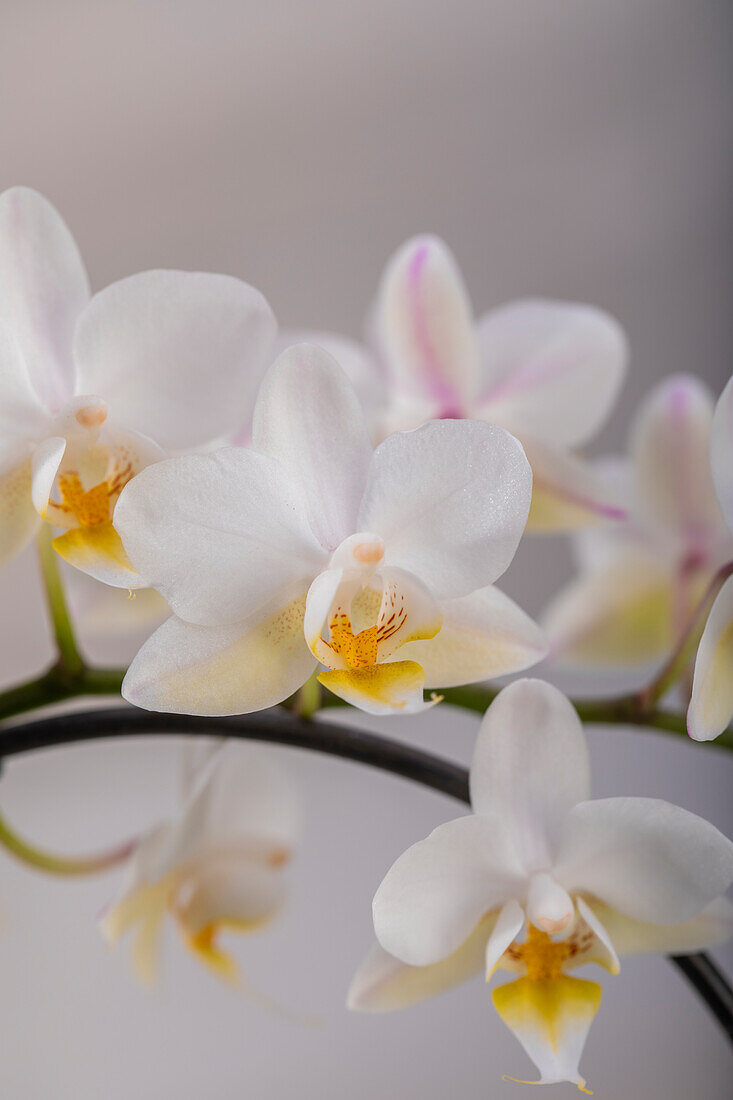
column 305, row 505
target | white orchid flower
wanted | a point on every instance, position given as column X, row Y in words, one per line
column 312, row 547
column 94, row 389
column 711, row 706
column 539, row 881
column 548, row 372
column 639, row 582
column 218, row 866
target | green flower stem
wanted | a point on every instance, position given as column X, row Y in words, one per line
column 61, row 865
column 69, row 657
column 56, row 686
column 307, row 700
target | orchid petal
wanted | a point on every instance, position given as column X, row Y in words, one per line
column 18, row 518
column 163, row 346
column 425, row 327
column 220, row 536
column 233, row 669
column 602, row 950
column 550, row 1017
column 711, row 706
column 356, row 361
column 552, row 370
column 450, row 501
column 47, row 458
column 653, row 861
column 43, row 289
column 721, row 452
column 483, row 635
column 98, row 551
column 509, row 925
column 393, row 687
column 308, row 418
column 435, row 894
column 623, row 614
column 383, row 983
column 671, row 447
column 530, row 767
column 236, row 894
column 22, row 416
column 713, row 926
column 567, row 492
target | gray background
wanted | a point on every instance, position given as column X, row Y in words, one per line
column 574, row 149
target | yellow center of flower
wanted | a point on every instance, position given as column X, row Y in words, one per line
column 361, row 650
column 91, row 507
column 543, row 957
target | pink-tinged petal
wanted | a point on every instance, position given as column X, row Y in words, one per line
column 177, row 355
column 711, row 706
column 483, row 635
column 721, row 452
column 671, row 449
column 567, row 492
column 653, row 861
column 551, row 1018
column 309, row 420
column 237, row 669
column 530, row 767
column 435, row 894
column 424, row 327
column 552, row 370
column 43, row 289
column 219, row 536
column 450, row 501
column 383, row 983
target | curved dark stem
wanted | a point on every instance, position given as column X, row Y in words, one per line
column 283, row 728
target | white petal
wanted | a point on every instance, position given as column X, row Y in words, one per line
column 450, row 501
column 653, row 861
column 713, row 926
column 357, row 362
column 435, row 894
column 22, row 417
column 551, row 1019
column 178, row 355
column 308, row 418
column 383, row 983
column 219, row 536
column 43, row 289
column 671, row 448
column 425, row 329
column 550, row 369
column 711, row 706
column 483, row 635
column 530, row 767
column 18, row 518
column 242, row 794
column 234, row 669
column 233, row 892
column 603, row 949
column 567, row 492
column 624, row 614
column 509, row 924
column 549, row 907
column 46, row 461
column 721, row 452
